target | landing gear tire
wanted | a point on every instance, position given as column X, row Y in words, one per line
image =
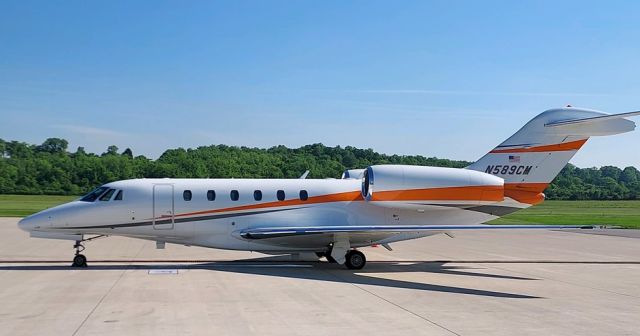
column 355, row 260
column 79, row 261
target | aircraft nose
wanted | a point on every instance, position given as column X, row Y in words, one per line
column 26, row 224
column 31, row 223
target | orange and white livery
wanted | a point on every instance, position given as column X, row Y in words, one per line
column 331, row 218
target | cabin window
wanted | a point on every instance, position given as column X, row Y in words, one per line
column 280, row 194
column 107, row 195
column 235, row 195
column 257, row 195
column 186, row 195
column 92, row 196
column 304, row 195
column 118, row 196
column 211, row 195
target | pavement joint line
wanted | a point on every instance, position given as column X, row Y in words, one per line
column 393, row 303
column 565, row 282
column 484, row 264
column 99, row 302
column 105, row 295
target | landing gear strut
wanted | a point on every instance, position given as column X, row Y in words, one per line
column 326, row 255
column 340, row 252
column 79, row 260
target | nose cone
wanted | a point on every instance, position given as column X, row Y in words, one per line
column 26, row 224
column 35, row 221
column 45, row 219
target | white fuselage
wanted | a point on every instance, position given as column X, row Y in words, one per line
column 156, row 209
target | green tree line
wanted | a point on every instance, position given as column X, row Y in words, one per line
column 49, row 168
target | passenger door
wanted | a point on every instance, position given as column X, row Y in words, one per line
column 163, row 207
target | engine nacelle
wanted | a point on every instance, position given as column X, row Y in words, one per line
column 402, row 186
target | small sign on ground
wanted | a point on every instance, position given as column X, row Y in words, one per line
column 163, row 271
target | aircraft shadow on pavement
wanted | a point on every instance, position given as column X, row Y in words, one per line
column 319, row 271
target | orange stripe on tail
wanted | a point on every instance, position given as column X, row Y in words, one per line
column 565, row 146
column 529, row 193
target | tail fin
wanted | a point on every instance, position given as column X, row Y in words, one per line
column 531, row 158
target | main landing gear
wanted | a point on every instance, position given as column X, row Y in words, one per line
column 353, row 259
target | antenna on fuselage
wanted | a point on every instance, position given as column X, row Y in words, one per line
column 304, row 175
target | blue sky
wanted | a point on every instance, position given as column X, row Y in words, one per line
column 436, row 78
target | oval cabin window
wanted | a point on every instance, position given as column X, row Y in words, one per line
column 235, row 195
column 186, row 195
column 211, row 195
column 304, row 195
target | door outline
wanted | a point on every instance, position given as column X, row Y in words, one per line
column 157, row 214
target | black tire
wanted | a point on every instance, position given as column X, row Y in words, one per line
column 79, row 261
column 355, row 260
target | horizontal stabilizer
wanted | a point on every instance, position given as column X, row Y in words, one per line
column 603, row 124
column 592, row 119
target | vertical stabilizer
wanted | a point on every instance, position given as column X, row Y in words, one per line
column 531, row 158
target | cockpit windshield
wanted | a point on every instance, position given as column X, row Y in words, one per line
column 107, row 196
column 92, row 196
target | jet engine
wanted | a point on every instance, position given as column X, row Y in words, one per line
column 403, row 186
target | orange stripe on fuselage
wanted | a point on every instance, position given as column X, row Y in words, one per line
column 566, row 146
column 468, row 193
column 529, row 193
column 348, row 196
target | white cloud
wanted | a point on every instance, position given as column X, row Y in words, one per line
column 89, row 131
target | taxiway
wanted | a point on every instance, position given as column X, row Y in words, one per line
column 479, row 283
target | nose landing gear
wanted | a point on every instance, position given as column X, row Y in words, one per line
column 79, row 260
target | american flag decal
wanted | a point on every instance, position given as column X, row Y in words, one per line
column 514, row 158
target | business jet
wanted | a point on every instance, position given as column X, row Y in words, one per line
column 332, row 218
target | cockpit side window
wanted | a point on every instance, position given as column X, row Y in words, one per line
column 92, row 196
column 107, row 195
column 118, row 196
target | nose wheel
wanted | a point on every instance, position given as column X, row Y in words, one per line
column 79, row 260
